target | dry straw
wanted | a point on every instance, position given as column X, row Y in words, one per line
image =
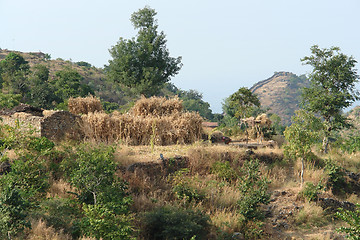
column 154, row 120
column 86, row 105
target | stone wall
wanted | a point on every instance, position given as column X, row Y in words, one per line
column 55, row 125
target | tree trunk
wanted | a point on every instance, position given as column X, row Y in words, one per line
column 325, row 144
column 94, row 194
column 302, row 172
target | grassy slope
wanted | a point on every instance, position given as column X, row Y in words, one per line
column 288, row 215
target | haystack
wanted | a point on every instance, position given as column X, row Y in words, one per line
column 85, row 105
column 154, row 120
column 156, row 106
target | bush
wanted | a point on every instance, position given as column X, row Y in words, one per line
column 224, row 171
column 310, row 192
column 253, row 190
column 175, row 223
column 183, row 189
column 352, row 218
column 336, row 180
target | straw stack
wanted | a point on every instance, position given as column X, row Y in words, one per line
column 154, row 120
column 85, row 105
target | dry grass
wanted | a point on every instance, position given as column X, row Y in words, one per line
column 157, row 107
column 226, row 220
column 60, row 189
column 85, row 105
column 179, row 128
column 40, row 231
column 310, row 216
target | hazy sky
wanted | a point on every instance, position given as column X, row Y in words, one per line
column 225, row 44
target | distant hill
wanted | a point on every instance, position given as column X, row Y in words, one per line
column 281, row 93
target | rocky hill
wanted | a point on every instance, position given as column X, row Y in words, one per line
column 281, row 93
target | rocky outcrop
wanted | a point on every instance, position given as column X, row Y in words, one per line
column 281, row 94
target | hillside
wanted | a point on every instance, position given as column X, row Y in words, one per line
column 281, row 93
column 92, row 76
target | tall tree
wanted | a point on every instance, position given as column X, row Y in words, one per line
column 68, row 84
column 41, row 92
column 332, row 87
column 143, row 63
column 14, row 71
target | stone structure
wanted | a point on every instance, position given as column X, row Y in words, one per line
column 55, row 125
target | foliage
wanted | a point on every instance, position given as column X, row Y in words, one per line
column 278, row 127
column 84, row 64
column 332, row 87
column 143, row 63
column 225, row 171
column 301, row 136
column 352, row 218
column 60, row 213
column 175, row 223
column 9, row 100
column 94, row 169
column 310, row 192
column 103, row 195
column 351, row 143
column 336, row 180
column 192, row 101
column 68, row 84
column 253, row 188
column 183, row 189
column 41, row 93
column 102, row 223
column 13, row 211
column 241, row 103
column 14, row 71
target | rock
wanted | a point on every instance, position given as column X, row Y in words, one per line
column 332, row 205
column 5, row 167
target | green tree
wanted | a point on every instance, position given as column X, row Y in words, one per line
column 9, row 100
column 241, row 103
column 14, row 73
column 103, row 195
column 192, row 101
column 332, row 87
column 13, row 212
column 68, row 84
column 144, row 62
column 41, row 92
column 301, row 136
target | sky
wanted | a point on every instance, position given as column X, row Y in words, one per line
column 224, row 44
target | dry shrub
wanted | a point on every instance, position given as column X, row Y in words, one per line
column 157, row 106
column 40, row 231
column 182, row 128
column 60, row 188
column 85, row 105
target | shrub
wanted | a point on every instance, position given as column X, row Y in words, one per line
column 253, row 190
column 310, row 192
column 225, row 171
column 102, row 223
column 352, row 218
column 183, row 189
column 336, row 180
column 175, row 223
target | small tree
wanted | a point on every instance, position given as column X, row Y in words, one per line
column 332, row 87
column 301, row 136
column 143, row 63
column 243, row 102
